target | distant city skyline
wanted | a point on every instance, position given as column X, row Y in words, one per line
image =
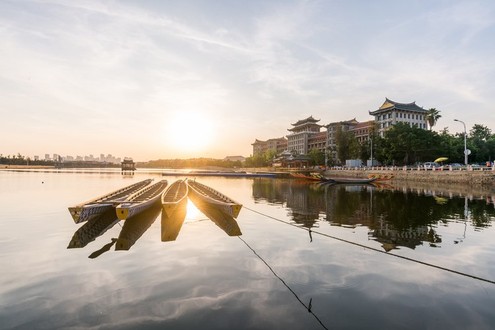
column 184, row 79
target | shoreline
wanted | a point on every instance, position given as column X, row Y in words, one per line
column 26, row 167
column 470, row 178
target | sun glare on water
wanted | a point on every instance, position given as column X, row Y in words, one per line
column 189, row 132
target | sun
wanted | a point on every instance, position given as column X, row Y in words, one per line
column 189, row 132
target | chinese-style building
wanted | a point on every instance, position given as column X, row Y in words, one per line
column 128, row 165
column 277, row 145
column 301, row 133
column 332, row 130
column 362, row 131
column 391, row 113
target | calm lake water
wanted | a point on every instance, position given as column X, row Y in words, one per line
column 309, row 257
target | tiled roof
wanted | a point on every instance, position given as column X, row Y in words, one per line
column 390, row 105
column 307, row 120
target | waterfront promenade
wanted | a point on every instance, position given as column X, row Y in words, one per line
column 469, row 176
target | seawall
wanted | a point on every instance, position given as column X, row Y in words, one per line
column 473, row 177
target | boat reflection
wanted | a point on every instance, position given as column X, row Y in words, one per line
column 171, row 224
column 395, row 215
column 223, row 220
column 135, row 226
column 93, row 228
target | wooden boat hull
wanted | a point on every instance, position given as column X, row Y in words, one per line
column 141, row 200
column 94, row 208
column 175, row 197
column 204, row 196
column 349, row 180
column 88, row 212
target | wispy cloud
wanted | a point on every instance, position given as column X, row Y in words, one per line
column 262, row 65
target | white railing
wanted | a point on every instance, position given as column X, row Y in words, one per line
column 469, row 168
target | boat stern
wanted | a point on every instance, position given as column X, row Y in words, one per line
column 75, row 213
column 122, row 211
column 236, row 209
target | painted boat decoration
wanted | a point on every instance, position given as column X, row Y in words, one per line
column 175, row 197
column 311, row 176
column 381, row 177
column 94, row 208
column 141, row 200
column 134, row 227
column 202, row 196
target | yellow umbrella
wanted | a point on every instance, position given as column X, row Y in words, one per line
column 441, row 159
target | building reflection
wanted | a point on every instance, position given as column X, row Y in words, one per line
column 395, row 216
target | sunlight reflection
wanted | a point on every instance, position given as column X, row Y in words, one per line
column 193, row 214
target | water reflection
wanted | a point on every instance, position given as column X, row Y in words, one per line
column 171, row 224
column 223, row 220
column 135, row 226
column 93, row 228
column 395, row 216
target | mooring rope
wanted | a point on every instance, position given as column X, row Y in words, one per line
column 309, row 307
column 375, row 249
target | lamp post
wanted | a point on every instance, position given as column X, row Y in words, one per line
column 465, row 146
column 371, row 139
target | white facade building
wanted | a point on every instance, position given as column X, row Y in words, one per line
column 391, row 113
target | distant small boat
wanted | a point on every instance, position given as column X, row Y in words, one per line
column 204, row 196
column 348, row 180
column 223, row 174
column 141, row 200
column 175, row 197
column 96, row 207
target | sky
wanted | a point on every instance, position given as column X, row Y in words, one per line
column 153, row 79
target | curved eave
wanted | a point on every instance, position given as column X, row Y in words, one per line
column 379, row 111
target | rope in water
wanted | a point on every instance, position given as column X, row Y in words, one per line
column 375, row 249
column 285, row 284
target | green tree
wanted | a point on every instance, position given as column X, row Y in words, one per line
column 317, row 156
column 479, row 135
column 404, row 144
column 347, row 145
column 432, row 117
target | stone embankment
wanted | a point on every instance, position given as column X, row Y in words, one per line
column 481, row 176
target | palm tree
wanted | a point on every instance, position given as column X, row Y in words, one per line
column 432, row 117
